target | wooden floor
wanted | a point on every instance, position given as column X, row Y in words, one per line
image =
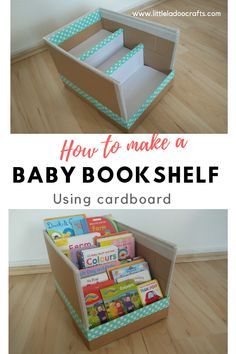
column 196, row 104
column 197, row 324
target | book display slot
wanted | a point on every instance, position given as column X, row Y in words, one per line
column 114, row 284
column 119, row 64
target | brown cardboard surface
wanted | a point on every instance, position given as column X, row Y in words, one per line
column 81, row 36
column 160, row 266
column 157, row 51
column 140, row 119
column 64, row 275
column 88, row 80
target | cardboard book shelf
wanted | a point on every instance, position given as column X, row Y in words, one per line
column 119, row 64
column 160, row 256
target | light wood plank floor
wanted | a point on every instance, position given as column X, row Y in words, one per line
column 196, row 104
column 197, row 324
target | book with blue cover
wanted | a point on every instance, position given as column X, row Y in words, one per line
column 63, row 226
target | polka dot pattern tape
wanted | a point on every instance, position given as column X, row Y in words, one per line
column 75, row 27
column 113, row 325
column 127, row 124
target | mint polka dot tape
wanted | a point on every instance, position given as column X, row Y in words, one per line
column 127, row 124
column 101, row 44
column 75, row 27
column 124, row 59
column 113, row 325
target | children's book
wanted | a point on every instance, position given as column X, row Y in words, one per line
column 125, row 244
column 98, row 278
column 88, row 272
column 123, row 264
column 105, row 225
column 70, row 245
column 139, row 272
column 63, row 226
column 150, row 292
column 120, row 299
column 94, row 304
column 97, row 256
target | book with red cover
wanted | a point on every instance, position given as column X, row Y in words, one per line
column 94, row 303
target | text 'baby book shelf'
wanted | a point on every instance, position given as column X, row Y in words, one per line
column 119, row 64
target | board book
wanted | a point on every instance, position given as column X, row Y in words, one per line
column 139, row 272
column 125, row 244
column 105, row 225
column 97, row 256
column 94, row 304
column 87, row 272
column 109, row 270
column 70, row 245
column 94, row 279
column 120, row 299
column 150, row 292
column 63, row 226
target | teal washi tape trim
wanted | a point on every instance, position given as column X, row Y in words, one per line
column 113, row 325
column 150, row 99
column 101, row 44
column 96, row 103
column 124, row 59
column 75, row 27
column 115, row 117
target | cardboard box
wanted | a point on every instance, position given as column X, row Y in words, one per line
column 119, row 64
column 160, row 256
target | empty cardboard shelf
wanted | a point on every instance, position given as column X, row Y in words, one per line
column 86, row 45
column 139, row 87
column 120, row 64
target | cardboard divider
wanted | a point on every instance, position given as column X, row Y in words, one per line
column 124, row 68
column 82, row 36
column 158, row 52
column 102, row 50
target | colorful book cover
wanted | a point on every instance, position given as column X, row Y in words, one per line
column 120, row 233
column 149, row 292
column 87, row 272
column 139, row 272
column 94, row 304
column 125, row 245
column 98, row 278
column 97, row 256
column 71, row 245
column 105, row 225
column 120, row 299
column 63, row 226
column 124, row 264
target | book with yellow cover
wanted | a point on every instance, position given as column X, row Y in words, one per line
column 149, row 292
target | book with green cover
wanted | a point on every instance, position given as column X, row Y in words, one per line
column 120, row 299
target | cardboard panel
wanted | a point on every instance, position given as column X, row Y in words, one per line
column 64, row 275
column 88, row 80
column 158, row 52
column 160, row 266
column 81, row 36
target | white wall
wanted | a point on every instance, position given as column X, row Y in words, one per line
column 33, row 19
column 192, row 230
